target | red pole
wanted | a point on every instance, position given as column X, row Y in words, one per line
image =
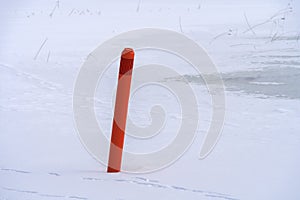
column 120, row 114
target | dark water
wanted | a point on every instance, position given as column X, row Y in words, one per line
column 279, row 82
column 282, row 82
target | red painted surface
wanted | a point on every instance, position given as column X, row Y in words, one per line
column 121, row 108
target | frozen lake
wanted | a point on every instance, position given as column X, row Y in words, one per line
column 255, row 46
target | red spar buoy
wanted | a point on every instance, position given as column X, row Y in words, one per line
column 121, row 108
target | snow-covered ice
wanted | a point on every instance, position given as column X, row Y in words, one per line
column 255, row 46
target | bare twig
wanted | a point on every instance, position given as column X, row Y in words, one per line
column 71, row 12
column 200, row 4
column 280, row 12
column 53, row 10
column 138, row 6
column 249, row 24
column 220, row 35
column 257, row 25
column 180, row 25
column 242, row 44
column 38, row 52
column 48, row 56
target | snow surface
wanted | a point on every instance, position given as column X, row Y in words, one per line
column 43, row 45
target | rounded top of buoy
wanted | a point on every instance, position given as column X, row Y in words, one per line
column 128, row 53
